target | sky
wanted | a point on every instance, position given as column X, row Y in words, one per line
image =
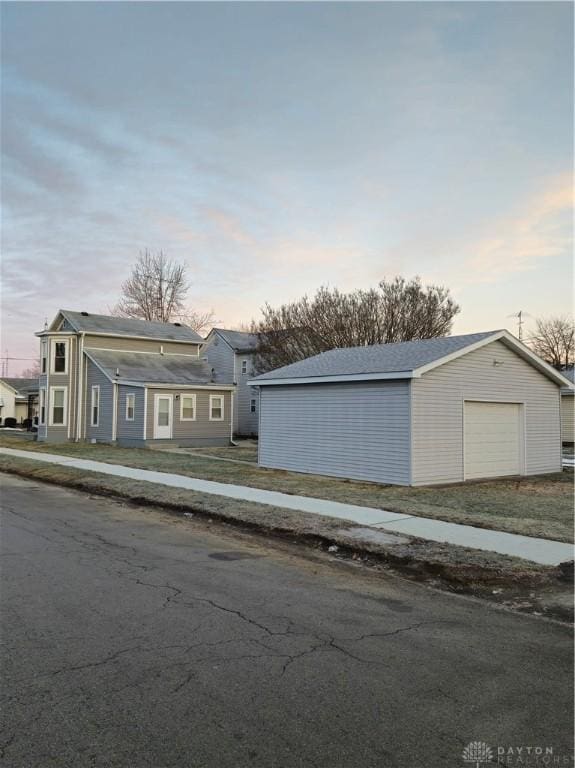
column 276, row 147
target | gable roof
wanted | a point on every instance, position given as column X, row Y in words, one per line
column 152, row 368
column 22, row 387
column 86, row 322
column 402, row 360
column 239, row 341
column 569, row 374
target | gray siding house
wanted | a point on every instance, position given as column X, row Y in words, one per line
column 130, row 382
column 568, row 408
column 415, row 413
column 231, row 355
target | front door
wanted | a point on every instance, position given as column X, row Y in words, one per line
column 162, row 417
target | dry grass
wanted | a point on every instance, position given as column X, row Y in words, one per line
column 536, row 506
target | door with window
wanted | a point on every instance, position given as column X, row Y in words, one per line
column 162, row 417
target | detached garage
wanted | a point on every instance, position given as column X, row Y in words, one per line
column 415, row 413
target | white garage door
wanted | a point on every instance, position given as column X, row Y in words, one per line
column 493, row 437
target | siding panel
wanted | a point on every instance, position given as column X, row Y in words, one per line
column 140, row 345
column 202, row 431
column 103, row 432
column 437, row 412
column 130, row 430
column 567, row 418
column 358, row 430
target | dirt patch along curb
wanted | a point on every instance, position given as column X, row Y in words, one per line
column 450, row 567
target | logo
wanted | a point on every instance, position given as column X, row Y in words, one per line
column 478, row 753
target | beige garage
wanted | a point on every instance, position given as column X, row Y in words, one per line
column 494, row 439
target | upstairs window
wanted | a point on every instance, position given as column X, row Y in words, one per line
column 130, row 406
column 253, row 406
column 216, row 408
column 95, row 406
column 188, row 408
column 244, row 366
column 59, row 357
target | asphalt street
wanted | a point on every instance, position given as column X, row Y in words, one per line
column 135, row 639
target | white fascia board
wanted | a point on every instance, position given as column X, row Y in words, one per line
column 56, row 333
column 332, row 379
column 153, row 385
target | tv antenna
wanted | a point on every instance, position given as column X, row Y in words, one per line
column 520, row 321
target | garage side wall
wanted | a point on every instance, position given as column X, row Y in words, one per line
column 356, row 430
column 437, row 412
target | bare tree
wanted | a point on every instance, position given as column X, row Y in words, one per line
column 155, row 290
column 398, row 310
column 196, row 320
column 553, row 340
column 32, row 372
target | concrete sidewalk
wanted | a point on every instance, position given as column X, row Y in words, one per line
column 543, row 551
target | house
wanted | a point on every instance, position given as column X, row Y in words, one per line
column 18, row 399
column 568, row 408
column 231, row 355
column 130, row 382
column 416, row 413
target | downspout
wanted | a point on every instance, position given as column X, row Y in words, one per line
column 114, row 411
column 232, row 393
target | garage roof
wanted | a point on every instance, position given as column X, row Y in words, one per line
column 402, row 360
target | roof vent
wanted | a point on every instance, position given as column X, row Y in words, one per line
column 84, row 314
column 179, row 325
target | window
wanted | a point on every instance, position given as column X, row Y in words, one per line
column 60, row 357
column 130, row 406
column 216, row 408
column 95, row 406
column 253, row 406
column 43, row 356
column 42, row 414
column 188, row 408
column 244, row 366
column 58, row 406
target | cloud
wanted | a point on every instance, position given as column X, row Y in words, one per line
column 520, row 242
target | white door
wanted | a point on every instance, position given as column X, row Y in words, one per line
column 493, row 439
column 162, row 417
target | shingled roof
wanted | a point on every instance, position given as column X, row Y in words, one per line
column 180, row 370
column 239, row 341
column 86, row 322
column 400, row 360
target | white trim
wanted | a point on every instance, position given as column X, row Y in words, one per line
column 114, row 411
column 335, row 378
column 64, row 423
column 93, row 389
column 130, row 396
column 145, row 413
column 219, row 418
column 193, row 398
column 65, row 341
column 142, row 351
column 170, row 399
column 175, row 387
column 80, row 385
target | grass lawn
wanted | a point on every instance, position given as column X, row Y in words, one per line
column 534, row 506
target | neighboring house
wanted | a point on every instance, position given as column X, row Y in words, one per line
column 568, row 408
column 18, row 398
column 416, row 413
column 132, row 382
column 231, row 355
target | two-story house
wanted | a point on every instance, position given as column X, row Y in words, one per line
column 130, row 382
column 231, row 354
